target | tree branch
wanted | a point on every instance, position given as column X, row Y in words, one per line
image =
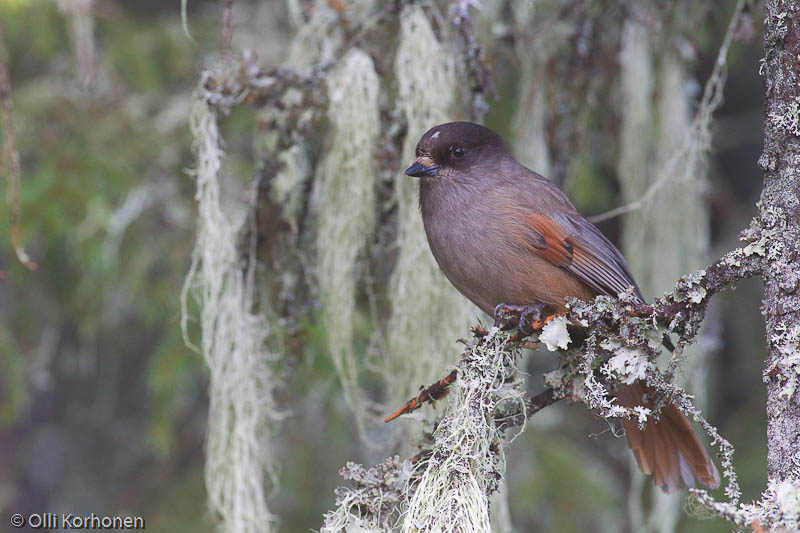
column 619, row 327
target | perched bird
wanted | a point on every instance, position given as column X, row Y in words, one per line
column 505, row 236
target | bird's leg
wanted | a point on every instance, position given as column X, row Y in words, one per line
column 530, row 316
column 539, row 324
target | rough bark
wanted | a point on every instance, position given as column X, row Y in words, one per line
column 779, row 219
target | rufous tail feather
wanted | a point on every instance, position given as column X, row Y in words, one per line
column 669, row 449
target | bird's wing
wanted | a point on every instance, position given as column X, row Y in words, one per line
column 569, row 241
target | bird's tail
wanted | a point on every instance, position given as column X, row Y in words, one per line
column 669, row 449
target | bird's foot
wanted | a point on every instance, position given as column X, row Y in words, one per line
column 530, row 316
column 539, row 324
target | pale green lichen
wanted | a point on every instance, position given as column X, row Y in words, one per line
column 787, row 496
column 627, row 365
column 778, row 509
column 243, row 411
column 448, row 488
column 555, row 334
column 344, row 199
column 763, row 235
column 697, row 294
column 555, row 379
column 317, row 41
column 373, row 504
column 786, row 340
column 642, row 414
column 758, row 247
column 466, row 464
column 690, row 288
column 760, row 235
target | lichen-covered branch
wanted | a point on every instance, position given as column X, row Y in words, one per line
column 373, row 503
column 467, row 461
column 447, row 486
column 452, row 479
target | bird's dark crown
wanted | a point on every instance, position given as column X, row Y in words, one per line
column 445, row 142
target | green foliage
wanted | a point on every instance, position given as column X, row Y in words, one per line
column 102, row 174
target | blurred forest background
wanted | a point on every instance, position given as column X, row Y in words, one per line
column 103, row 408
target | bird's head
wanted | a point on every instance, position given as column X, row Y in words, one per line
column 455, row 149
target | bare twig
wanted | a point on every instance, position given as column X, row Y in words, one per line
column 430, row 394
column 698, row 133
column 533, row 405
column 11, row 156
column 185, row 21
column 227, row 31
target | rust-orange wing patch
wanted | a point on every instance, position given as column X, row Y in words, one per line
column 577, row 246
column 554, row 244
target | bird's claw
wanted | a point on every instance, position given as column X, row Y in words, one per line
column 530, row 316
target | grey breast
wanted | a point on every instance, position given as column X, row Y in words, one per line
column 463, row 239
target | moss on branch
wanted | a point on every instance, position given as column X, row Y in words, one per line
column 623, row 338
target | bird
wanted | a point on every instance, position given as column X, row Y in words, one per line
column 506, row 237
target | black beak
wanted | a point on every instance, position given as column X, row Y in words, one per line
column 418, row 170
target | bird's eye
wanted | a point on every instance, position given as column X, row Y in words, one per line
column 458, row 152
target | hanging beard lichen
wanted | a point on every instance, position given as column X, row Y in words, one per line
column 316, row 40
column 242, row 411
column 681, row 207
column 314, row 44
column 427, row 313
column 467, row 462
column 344, row 200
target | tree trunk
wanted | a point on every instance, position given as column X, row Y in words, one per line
column 780, row 221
